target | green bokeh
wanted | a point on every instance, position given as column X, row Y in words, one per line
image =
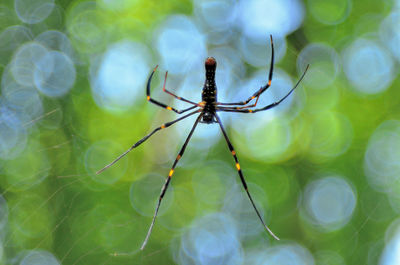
column 56, row 201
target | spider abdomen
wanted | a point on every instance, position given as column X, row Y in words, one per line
column 208, row 117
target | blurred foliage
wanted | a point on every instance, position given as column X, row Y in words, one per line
column 323, row 168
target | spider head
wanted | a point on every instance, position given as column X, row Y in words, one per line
column 211, row 62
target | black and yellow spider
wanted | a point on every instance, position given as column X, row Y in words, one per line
column 208, row 108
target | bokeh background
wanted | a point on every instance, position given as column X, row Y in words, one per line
column 323, row 167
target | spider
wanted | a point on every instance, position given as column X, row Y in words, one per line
column 208, row 108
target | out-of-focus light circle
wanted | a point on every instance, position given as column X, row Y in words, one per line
column 25, row 60
column 238, row 205
column 257, row 52
column 377, row 210
column 285, row 254
column 261, row 17
column 391, row 253
column 330, row 12
column 332, row 134
column 211, row 240
column 220, row 37
column 269, row 142
column 368, row 66
column 180, row 44
column 54, row 74
column 7, row 15
column 115, row 233
column 325, row 65
column 11, row 38
column 389, row 33
column 117, row 5
column 210, row 184
column 119, row 77
column 27, row 170
column 31, row 218
column 321, row 100
column 23, row 99
column 100, row 154
column 84, row 24
column 33, row 12
column 39, row 257
column 52, row 118
column 327, row 257
column 56, row 40
column 144, row 194
column 13, row 136
column 329, row 203
column 182, row 211
column 217, row 14
column 382, row 158
column 3, row 212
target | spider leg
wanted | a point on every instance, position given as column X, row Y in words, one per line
column 163, row 126
column 233, row 152
column 175, row 96
column 261, row 90
column 270, row 106
column 162, row 105
column 167, row 181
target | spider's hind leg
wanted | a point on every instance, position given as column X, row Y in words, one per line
column 239, row 170
column 163, row 126
column 167, row 181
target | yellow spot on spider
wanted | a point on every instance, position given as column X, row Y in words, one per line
column 163, row 126
column 178, row 157
column 171, row 172
column 148, row 97
column 253, row 97
column 233, row 152
column 169, row 108
column 237, row 166
column 202, row 104
column 250, row 110
column 269, row 82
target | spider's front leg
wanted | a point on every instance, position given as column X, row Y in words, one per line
column 175, row 96
column 162, row 105
column 270, row 106
column 257, row 94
